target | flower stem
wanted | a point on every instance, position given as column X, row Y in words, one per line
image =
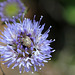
column 1, row 68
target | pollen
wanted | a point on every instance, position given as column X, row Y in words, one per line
column 27, row 41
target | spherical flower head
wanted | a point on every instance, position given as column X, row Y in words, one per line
column 25, row 45
column 11, row 8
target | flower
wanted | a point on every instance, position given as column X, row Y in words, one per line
column 11, row 8
column 25, row 45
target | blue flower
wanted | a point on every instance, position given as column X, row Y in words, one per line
column 25, row 46
column 11, row 8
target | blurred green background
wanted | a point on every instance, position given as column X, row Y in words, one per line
column 60, row 14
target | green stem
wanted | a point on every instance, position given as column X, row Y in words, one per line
column 1, row 68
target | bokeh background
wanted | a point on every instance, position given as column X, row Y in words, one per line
column 60, row 14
